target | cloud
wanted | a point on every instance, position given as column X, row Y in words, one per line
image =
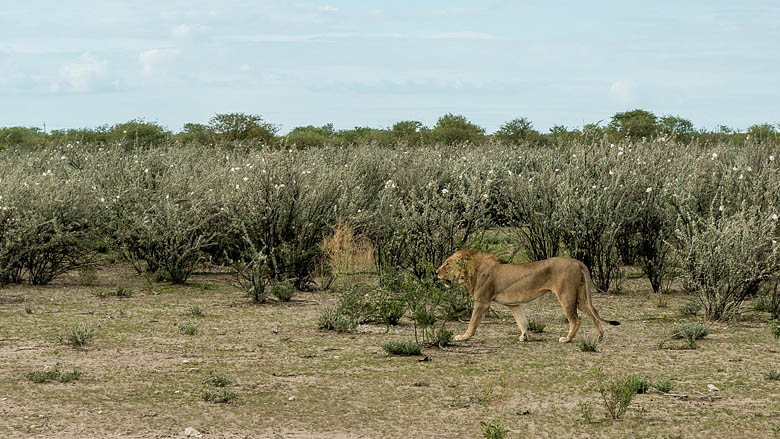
column 81, row 75
column 331, row 36
column 150, row 59
column 622, row 90
column 181, row 31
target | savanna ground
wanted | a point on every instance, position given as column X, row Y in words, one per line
column 143, row 377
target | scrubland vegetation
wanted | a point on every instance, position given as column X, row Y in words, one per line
column 343, row 235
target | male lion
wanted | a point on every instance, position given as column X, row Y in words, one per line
column 514, row 285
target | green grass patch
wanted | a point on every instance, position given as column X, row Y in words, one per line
column 402, row 348
column 53, row 374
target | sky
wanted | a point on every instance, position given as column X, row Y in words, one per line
column 84, row 63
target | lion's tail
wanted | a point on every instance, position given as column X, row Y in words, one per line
column 588, row 294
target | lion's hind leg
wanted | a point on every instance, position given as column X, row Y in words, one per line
column 519, row 312
column 582, row 305
column 569, row 304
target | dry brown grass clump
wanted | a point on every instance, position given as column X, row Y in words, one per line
column 347, row 254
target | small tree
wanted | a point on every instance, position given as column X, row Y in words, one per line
column 237, row 127
column 517, row 131
column 634, row 124
column 451, row 129
column 679, row 129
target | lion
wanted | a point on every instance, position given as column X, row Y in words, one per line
column 514, row 285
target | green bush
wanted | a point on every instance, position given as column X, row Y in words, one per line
column 284, row 291
column 334, row 318
column 617, row 393
column 727, row 257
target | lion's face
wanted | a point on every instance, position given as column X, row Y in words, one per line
column 452, row 268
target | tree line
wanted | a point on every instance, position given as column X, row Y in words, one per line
column 449, row 129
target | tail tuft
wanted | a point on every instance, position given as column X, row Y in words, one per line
column 613, row 322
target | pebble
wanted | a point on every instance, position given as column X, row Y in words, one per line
column 712, row 388
column 191, row 432
column 292, row 398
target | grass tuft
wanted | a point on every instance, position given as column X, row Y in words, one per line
column 588, row 344
column 78, row 335
column 494, row 429
column 188, row 328
column 220, row 397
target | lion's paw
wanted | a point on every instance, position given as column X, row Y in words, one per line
column 563, row 340
column 461, row 338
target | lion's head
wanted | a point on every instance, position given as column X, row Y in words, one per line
column 453, row 269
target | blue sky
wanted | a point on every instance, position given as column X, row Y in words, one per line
column 370, row 63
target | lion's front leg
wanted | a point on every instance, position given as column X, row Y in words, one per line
column 480, row 308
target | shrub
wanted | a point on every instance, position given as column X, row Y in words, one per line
column 253, row 275
column 47, row 223
column 640, row 383
column 335, row 319
column 772, row 375
column 401, row 348
column 687, row 331
column 443, row 337
column 690, row 308
column 616, row 393
column 726, row 258
column 494, row 429
column 162, row 209
column 774, row 329
column 283, row 291
column 769, row 300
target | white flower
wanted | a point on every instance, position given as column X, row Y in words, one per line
column 771, row 158
column 445, row 191
column 749, row 169
column 620, row 153
column 146, row 171
column 714, row 156
column 102, row 200
column 556, row 169
column 390, row 184
column 611, row 172
column 648, row 190
column 246, row 178
column 774, row 216
column 593, row 187
column 741, row 176
column 63, row 158
column 735, row 169
column 720, row 208
column 236, row 187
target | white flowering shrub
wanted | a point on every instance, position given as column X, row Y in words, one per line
column 284, row 204
column 161, row 208
column 432, row 206
column 727, row 257
column 47, row 225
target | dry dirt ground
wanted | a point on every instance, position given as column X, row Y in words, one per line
column 143, row 377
